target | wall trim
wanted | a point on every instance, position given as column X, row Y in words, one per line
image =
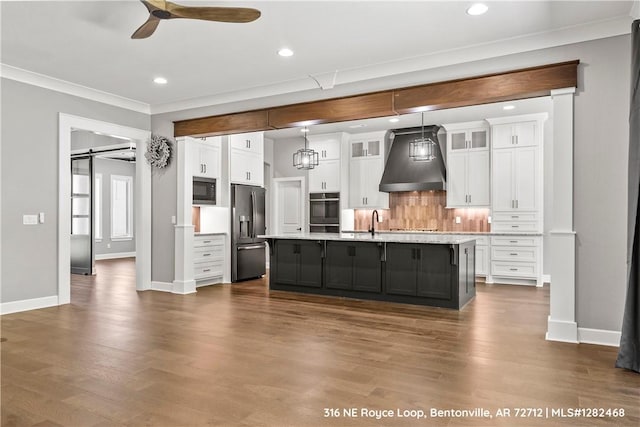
column 28, row 304
column 115, row 255
column 599, row 336
column 63, row 86
column 561, row 330
column 161, row 286
column 546, row 278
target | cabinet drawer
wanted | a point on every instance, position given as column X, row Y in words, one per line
column 515, row 226
column 515, row 217
column 209, row 269
column 208, row 255
column 528, row 270
column 515, row 241
column 207, row 241
column 508, row 253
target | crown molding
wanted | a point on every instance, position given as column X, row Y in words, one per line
column 544, row 40
column 69, row 88
column 635, row 10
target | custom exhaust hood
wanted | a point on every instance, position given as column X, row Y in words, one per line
column 401, row 173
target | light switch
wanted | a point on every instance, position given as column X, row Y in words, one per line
column 489, row 219
column 458, row 220
column 30, row 219
column 41, row 217
column 173, row 219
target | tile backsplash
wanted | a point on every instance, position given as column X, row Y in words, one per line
column 424, row 210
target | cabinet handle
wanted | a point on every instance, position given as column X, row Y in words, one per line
column 515, row 226
column 515, row 216
column 514, row 254
column 206, row 269
column 469, row 198
column 516, row 137
column 206, row 254
column 513, row 241
column 206, row 241
column 249, row 176
column 517, row 203
column 513, row 269
column 205, row 168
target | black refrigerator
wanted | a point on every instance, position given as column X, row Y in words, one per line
column 247, row 222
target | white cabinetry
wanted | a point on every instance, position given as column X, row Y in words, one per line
column 205, row 156
column 325, row 177
column 516, row 257
column 366, row 165
column 208, row 259
column 516, row 197
column 516, row 165
column 246, row 158
column 467, row 165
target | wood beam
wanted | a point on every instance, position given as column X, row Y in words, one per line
column 367, row 106
column 249, row 121
column 512, row 85
column 506, row 86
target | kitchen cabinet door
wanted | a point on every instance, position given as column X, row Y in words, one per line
column 325, row 177
column 482, row 260
column 502, row 188
column 434, row 274
column 310, row 264
column 285, row 268
column 525, row 134
column 205, row 160
column 457, row 180
column 246, row 168
column 367, row 267
column 501, row 135
column 400, row 276
column 339, row 265
column 364, row 180
column 477, row 173
column 525, row 178
column 328, row 147
column 252, row 142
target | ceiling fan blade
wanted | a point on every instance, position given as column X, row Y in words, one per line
column 146, row 29
column 155, row 5
column 220, row 14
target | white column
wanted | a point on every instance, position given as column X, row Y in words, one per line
column 143, row 217
column 561, row 325
column 184, row 282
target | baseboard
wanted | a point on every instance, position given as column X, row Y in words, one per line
column 599, row 336
column 561, row 330
column 162, row 286
column 28, row 304
column 183, row 287
column 546, row 278
column 115, row 255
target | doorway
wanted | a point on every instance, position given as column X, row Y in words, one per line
column 142, row 202
column 289, row 205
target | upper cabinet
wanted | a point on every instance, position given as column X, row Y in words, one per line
column 205, row 157
column 516, row 164
column 246, row 158
column 468, row 173
column 325, row 177
column 366, row 165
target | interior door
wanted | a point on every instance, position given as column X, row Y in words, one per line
column 82, row 215
column 290, row 205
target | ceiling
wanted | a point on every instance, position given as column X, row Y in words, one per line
column 88, row 43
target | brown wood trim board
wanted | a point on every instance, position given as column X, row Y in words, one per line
column 510, row 85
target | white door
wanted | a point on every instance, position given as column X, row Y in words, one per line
column 289, row 215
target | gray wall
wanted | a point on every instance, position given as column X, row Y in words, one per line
column 601, row 142
column 29, row 181
column 106, row 168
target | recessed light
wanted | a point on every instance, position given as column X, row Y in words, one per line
column 477, row 9
column 508, row 107
column 394, row 120
column 285, row 51
column 160, row 81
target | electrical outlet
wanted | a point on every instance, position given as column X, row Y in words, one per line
column 41, row 217
column 29, row 219
column 458, row 220
column 108, row 245
column 173, row 219
column 489, row 219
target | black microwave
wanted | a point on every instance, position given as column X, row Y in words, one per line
column 204, row 191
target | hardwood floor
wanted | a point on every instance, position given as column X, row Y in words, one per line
column 239, row 355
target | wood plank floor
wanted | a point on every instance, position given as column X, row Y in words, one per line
column 239, row 355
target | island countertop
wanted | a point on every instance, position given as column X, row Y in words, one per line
column 438, row 239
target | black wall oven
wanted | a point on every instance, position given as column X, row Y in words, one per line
column 324, row 212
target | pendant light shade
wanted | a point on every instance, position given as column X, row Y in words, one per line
column 422, row 149
column 305, row 158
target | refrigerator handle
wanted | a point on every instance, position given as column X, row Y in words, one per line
column 253, row 214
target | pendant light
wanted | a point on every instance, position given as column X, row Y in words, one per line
column 305, row 158
column 422, row 149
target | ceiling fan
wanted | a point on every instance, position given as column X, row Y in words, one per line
column 161, row 9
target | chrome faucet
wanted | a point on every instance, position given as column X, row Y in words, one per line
column 373, row 224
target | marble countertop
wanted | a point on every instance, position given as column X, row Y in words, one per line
column 430, row 238
column 219, row 233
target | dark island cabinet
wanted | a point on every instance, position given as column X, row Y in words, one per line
column 297, row 263
column 353, row 266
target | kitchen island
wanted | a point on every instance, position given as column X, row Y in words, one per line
column 435, row 270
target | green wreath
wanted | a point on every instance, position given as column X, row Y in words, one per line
column 158, row 151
